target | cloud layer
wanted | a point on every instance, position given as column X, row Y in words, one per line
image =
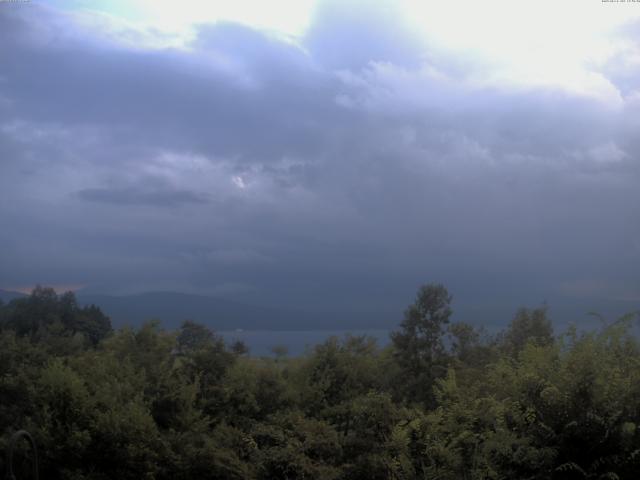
column 335, row 171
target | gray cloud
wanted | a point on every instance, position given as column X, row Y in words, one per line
column 351, row 35
column 340, row 172
column 133, row 196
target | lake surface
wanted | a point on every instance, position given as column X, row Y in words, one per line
column 297, row 342
column 260, row 342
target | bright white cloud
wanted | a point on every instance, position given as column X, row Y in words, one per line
column 542, row 43
column 289, row 17
column 559, row 43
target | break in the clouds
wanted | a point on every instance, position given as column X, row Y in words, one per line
column 338, row 168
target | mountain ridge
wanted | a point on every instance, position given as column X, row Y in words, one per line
column 171, row 308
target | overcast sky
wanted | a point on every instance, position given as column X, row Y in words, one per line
column 322, row 155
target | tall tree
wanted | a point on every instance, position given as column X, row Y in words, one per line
column 418, row 345
column 528, row 326
column 46, row 314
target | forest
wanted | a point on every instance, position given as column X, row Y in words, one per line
column 444, row 400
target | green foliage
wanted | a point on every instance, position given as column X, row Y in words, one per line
column 49, row 318
column 419, row 348
column 253, row 390
column 293, row 446
column 528, row 326
column 146, row 403
column 194, row 337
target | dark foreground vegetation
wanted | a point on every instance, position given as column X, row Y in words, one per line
column 443, row 401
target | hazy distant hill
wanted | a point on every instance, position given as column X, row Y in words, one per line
column 172, row 308
column 6, row 296
column 220, row 314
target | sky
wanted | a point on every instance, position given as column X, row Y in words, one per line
column 328, row 155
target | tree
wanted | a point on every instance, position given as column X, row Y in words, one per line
column 239, row 348
column 280, row 352
column 293, row 446
column 464, row 339
column 27, row 316
column 205, row 359
column 93, row 324
column 528, row 326
column 45, row 314
column 418, row 345
column 194, row 336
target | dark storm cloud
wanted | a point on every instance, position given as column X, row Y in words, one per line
column 341, row 171
column 133, row 196
column 208, row 99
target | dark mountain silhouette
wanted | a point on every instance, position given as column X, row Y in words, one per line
column 7, row 295
column 172, row 308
